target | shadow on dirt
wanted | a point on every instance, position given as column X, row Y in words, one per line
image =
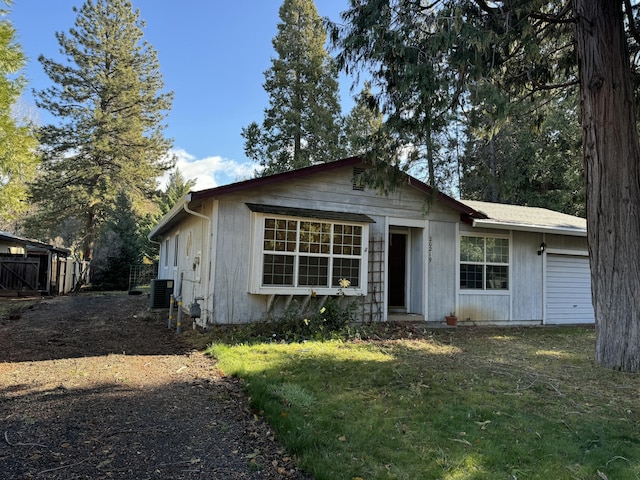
column 187, row 429
column 86, row 325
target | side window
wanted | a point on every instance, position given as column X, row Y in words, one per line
column 176, row 251
column 484, row 263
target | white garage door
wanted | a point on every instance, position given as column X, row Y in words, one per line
column 568, row 290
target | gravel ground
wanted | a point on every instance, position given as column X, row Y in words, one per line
column 95, row 386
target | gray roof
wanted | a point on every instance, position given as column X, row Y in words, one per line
column 534, row 219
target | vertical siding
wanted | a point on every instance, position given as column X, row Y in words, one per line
column 233, row 255
column 416, row 293
column 482, row 307
column 526, row 277
column 442, row 266
column 566, row 242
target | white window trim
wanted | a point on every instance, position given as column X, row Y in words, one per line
column 483, row 291
column 255, row 277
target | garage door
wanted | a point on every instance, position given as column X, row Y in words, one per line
column 568, row 290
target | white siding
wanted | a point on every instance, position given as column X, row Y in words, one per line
column 526, row 277
column 442, row 266
column 568, row 290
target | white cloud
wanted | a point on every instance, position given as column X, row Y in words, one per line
column 209, row 172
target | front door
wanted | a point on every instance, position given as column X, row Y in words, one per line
column 396, row 281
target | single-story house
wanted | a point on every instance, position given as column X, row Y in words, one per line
column 252, row 247
column 29, row 267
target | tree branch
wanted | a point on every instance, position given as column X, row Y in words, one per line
column 556, row 18
column 632, row 24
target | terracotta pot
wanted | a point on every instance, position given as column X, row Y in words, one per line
column 451, row 320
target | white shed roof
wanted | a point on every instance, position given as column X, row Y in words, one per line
column 533, row 219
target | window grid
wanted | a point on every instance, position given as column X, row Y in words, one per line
column 308, row 251
column 277, row 270
column 484, row 263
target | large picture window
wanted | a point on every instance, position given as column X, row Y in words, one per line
column 309, row 253
column 484, row 263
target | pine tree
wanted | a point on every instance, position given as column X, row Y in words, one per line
column 109, row 101
column 119, row 246
column 301, row 126
column 526, row 162
column 18, row 144
column 176, row 188
column 362, row 123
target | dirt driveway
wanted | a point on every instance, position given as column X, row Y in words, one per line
column 95, row 386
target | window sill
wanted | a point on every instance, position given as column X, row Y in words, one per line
column 347, row 292
column 478, row 291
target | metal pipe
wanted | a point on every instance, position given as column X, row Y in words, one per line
column 179, row 322
column 171, row 302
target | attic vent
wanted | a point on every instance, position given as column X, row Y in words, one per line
column 356, row 180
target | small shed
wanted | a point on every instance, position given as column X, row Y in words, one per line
column 251, row 248
column 30, row 267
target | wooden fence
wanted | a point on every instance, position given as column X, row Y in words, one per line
column 19, row 274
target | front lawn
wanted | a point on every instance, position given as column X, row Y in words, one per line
column 448, row 404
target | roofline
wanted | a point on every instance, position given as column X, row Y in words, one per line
column 521, row 227
column 33, row 243
column 180, row 204
column 446, row 199
column 275, row 178
column 282, row 177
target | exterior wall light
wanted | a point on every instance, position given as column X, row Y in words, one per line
column 542, row 248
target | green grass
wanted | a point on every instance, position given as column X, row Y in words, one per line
column 464, row 404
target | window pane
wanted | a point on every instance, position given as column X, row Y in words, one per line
column 314, row 237
column 497, row 250
column 345, row 237
column 313, row 271
column 497, row 277
column 280, row 235
column 277, row 270
column 348, row 268
column 471, row 249
column 471, row 276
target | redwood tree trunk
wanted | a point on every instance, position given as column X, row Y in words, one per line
column 612, row 162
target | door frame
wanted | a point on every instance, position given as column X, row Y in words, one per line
column 416, row 282
column 406, row 233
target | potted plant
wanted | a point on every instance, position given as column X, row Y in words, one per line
column 451, row 319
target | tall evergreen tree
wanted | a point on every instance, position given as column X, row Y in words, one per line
column 301, row 126
column 109, row 101
column 18, row 158
column 523, row 162
column 176, row 188
column 528, row 46
column 404, row 48
column 362, row 123
column 119, row 246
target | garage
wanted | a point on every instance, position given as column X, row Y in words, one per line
column 568, row 290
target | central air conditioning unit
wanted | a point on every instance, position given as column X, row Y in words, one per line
column 161, row 291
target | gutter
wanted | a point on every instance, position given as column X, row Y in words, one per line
column 523, row 227
column 185, row 206
column 178, row 207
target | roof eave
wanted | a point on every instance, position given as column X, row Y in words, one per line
column 274, row 179
column 445, row 199
column 169, row 216
column 557, row 230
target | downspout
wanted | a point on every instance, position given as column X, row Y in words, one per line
column 205, row 248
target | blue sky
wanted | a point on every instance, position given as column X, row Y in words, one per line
column 212, row 53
